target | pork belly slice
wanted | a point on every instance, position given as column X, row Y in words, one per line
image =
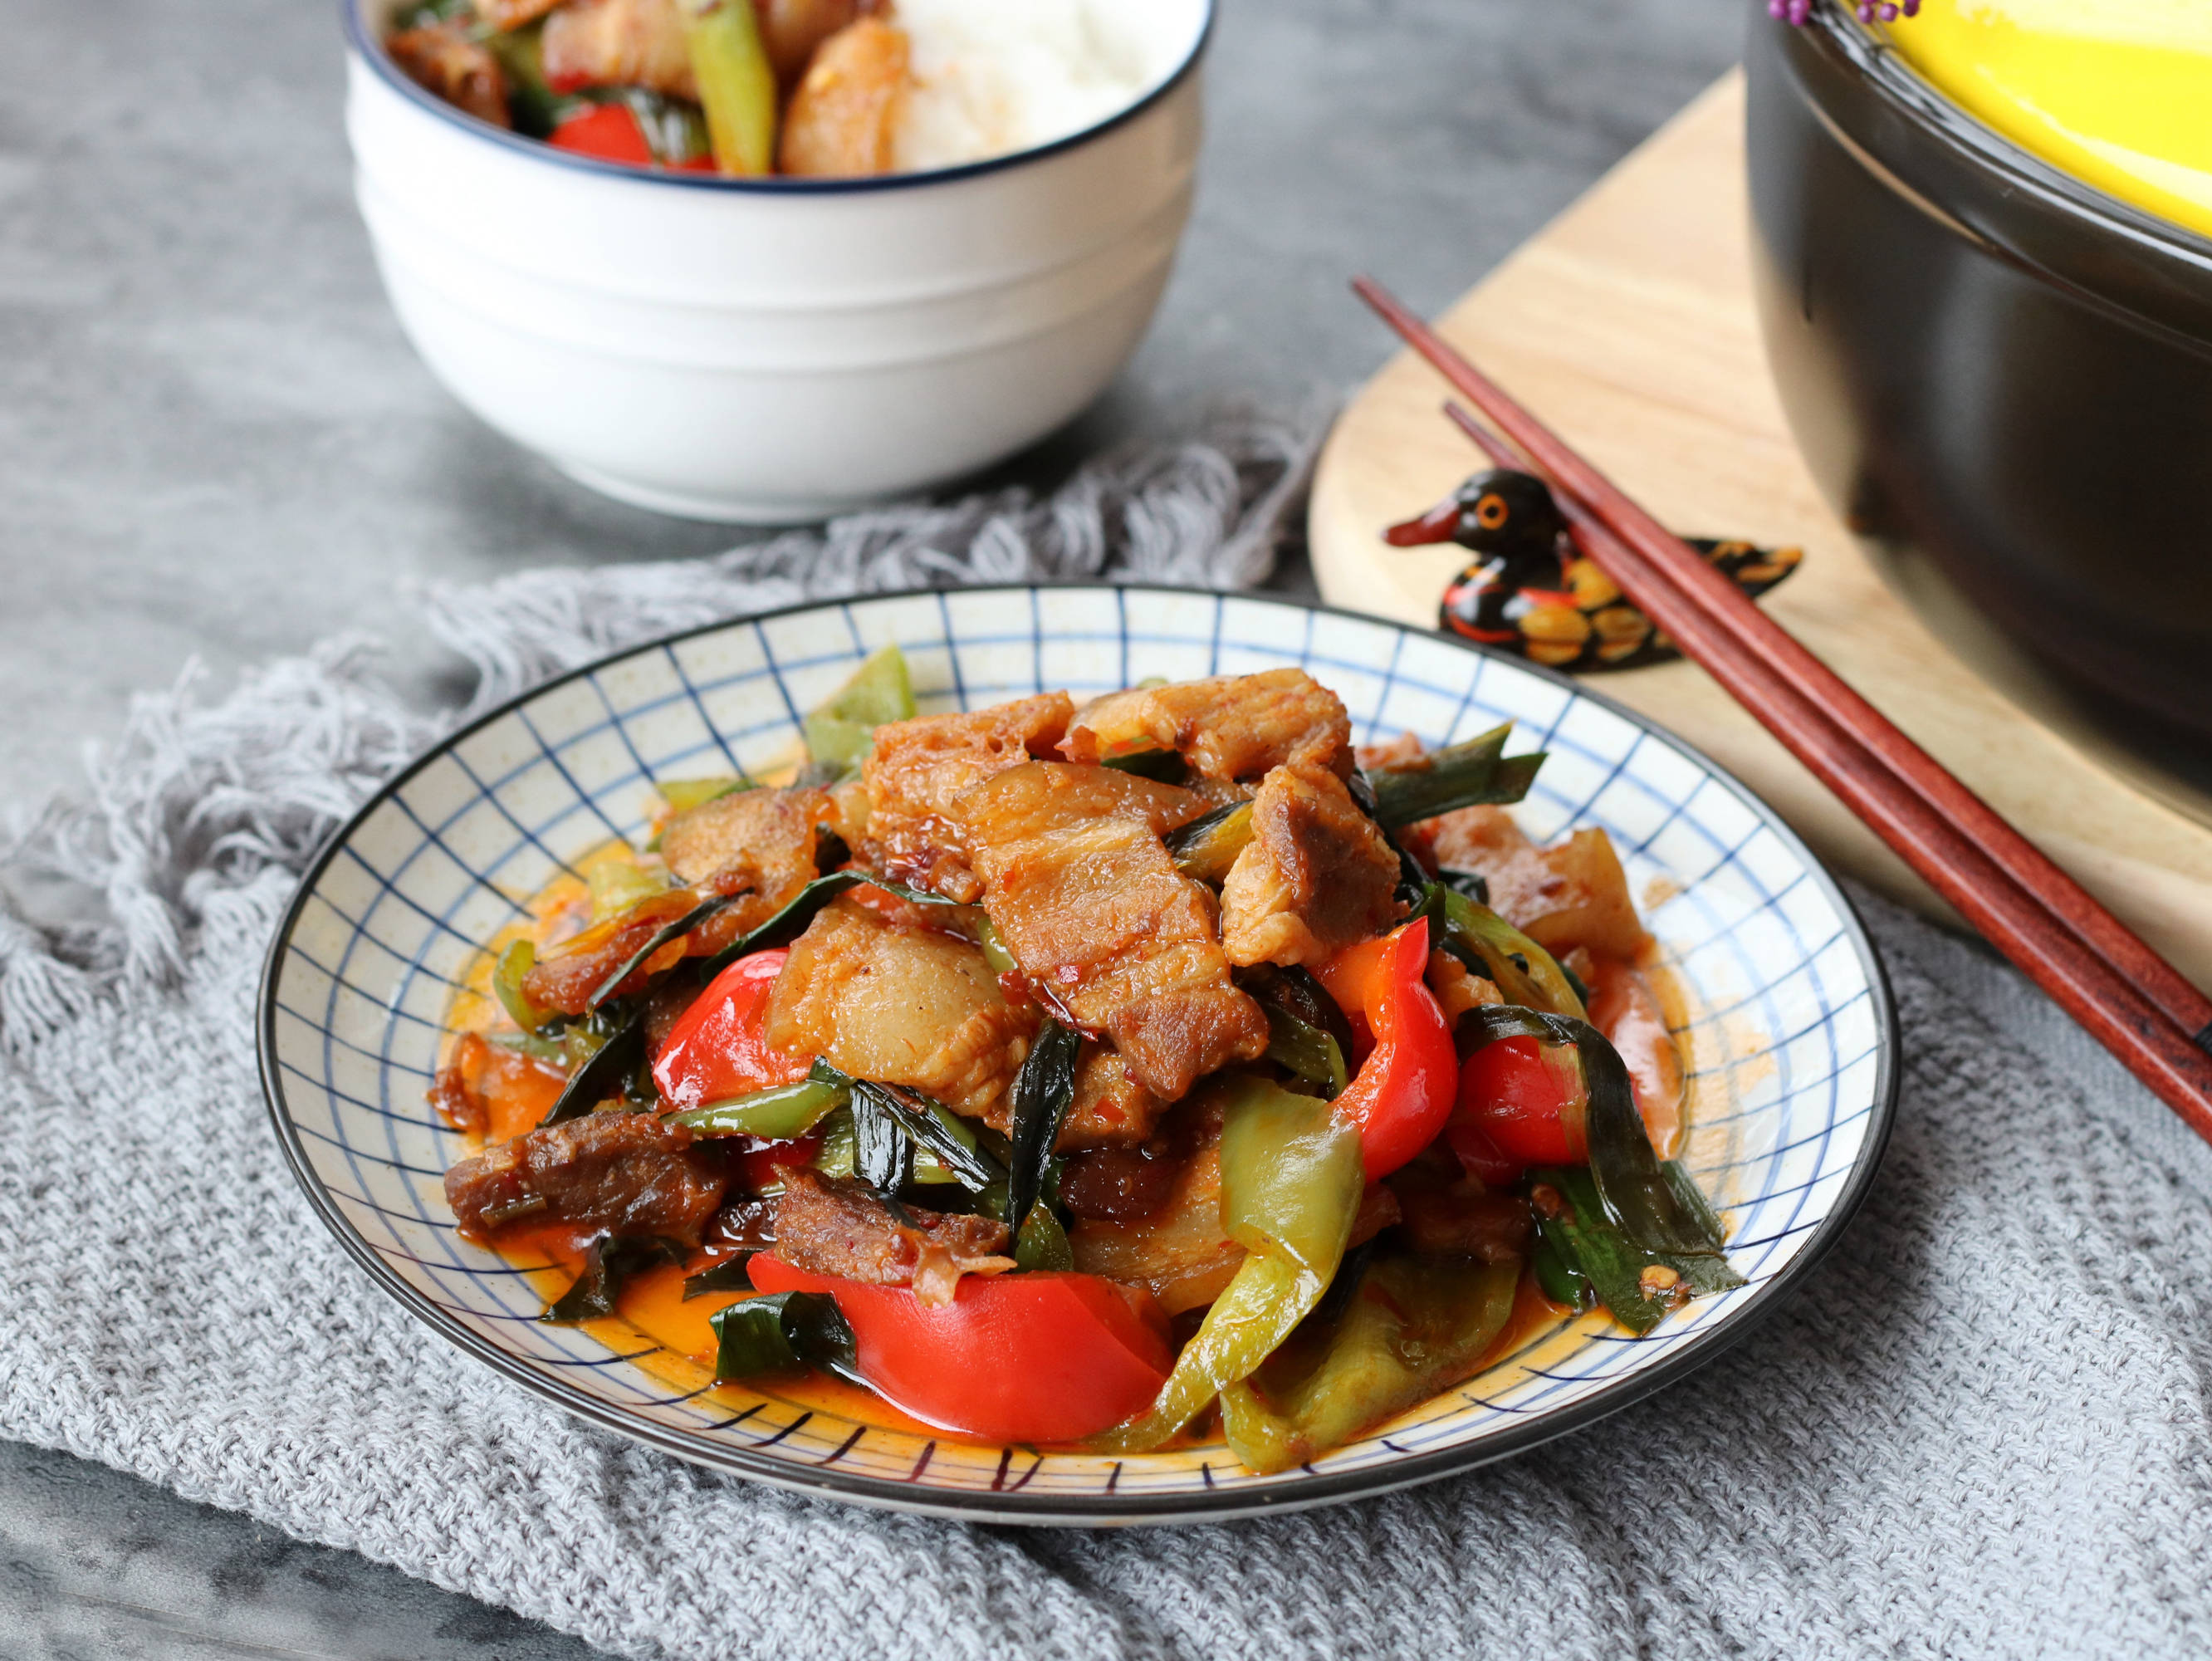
column 442, row 57
column 614, row 1172
column 758, row 844
column 1178, row 1252
column 904, row 1005
column 920, row 767
column 1086, row 898
column 1111, row 1109
column 1572, row 894
column 1318, row 874
column 566, row 979
column 840, row 1229
column 1232, row 726
column 618, row 43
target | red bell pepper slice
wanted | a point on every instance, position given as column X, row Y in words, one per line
column 1404, row 1090
column 1522, row 1102
column 1015, row 1358
column 611, row 132
column 718, row 1051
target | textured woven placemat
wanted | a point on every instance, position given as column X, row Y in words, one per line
column 1979, row 1430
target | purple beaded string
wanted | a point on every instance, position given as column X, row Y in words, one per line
column 1799, row 12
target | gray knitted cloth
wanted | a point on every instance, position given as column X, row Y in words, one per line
column 1979, row 1430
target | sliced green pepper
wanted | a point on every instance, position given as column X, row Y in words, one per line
column 1415, row 1325
column 737, row 83
column 995, row 955
column 842, row 730
column 1291, row 1183
column 840, row 1145
column 780, row 1114
column 682, row 796
column 518, row 960
column 617, row 885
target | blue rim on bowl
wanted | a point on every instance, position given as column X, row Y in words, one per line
column 1791, row 1030
column 370, row 50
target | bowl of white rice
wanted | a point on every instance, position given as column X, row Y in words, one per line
column 777, row 349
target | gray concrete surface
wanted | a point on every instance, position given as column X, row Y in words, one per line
column 215, row 446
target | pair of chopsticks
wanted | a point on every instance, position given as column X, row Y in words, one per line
column 2099, row 970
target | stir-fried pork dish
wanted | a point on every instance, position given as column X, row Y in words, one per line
column 808, row 88
column 1092, row 1073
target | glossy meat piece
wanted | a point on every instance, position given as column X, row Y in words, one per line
column 920, row 767
column 1391, row 752
column 619, row 1173
column 618, row 43
column 1232, row 726
column 1318, row 876
column 566, row 979
column 792, row 29
column 904, row 1005
column 1117, row 1184
column 1110, row 1109
column 843, row 118
column 840, row 1229
column 758, row 844
column 1086, row 898
column 1179, row 1252
column 1460, row 1218
column 443, row 58
column 490, row 1091
column 1572, row 894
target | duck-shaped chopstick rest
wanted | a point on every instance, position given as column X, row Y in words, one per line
column 1530, row 592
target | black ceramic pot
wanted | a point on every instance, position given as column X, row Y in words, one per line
column 2001, row 377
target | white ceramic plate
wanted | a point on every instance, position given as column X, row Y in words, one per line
column 1790, row 1039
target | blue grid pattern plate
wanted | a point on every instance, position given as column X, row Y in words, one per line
column 1790, row 1035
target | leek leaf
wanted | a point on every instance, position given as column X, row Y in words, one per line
column 603, row 1075
column 1474, row 773
column 1043, row 1091
column 1163, row 766
column 1636, row 1195
column 608, row 1263
column 727, row 1276
column 788, row 924
column 784, row 1330
column 1638, row 1285
column 698, row 916
column 1205, row 848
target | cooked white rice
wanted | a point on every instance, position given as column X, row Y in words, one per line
column 994, row 76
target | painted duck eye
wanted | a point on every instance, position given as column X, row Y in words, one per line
column 1490, row 512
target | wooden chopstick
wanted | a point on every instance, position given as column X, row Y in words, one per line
column 2090, row 963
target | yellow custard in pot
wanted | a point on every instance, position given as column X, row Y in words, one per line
column 2117, row 91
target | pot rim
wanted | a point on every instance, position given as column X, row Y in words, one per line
column 2105, row 252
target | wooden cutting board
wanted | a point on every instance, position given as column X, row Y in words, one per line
column 1628, row 325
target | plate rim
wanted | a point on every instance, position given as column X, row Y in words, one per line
column 1700, row 1346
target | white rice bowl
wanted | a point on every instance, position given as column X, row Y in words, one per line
column 994, row 76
